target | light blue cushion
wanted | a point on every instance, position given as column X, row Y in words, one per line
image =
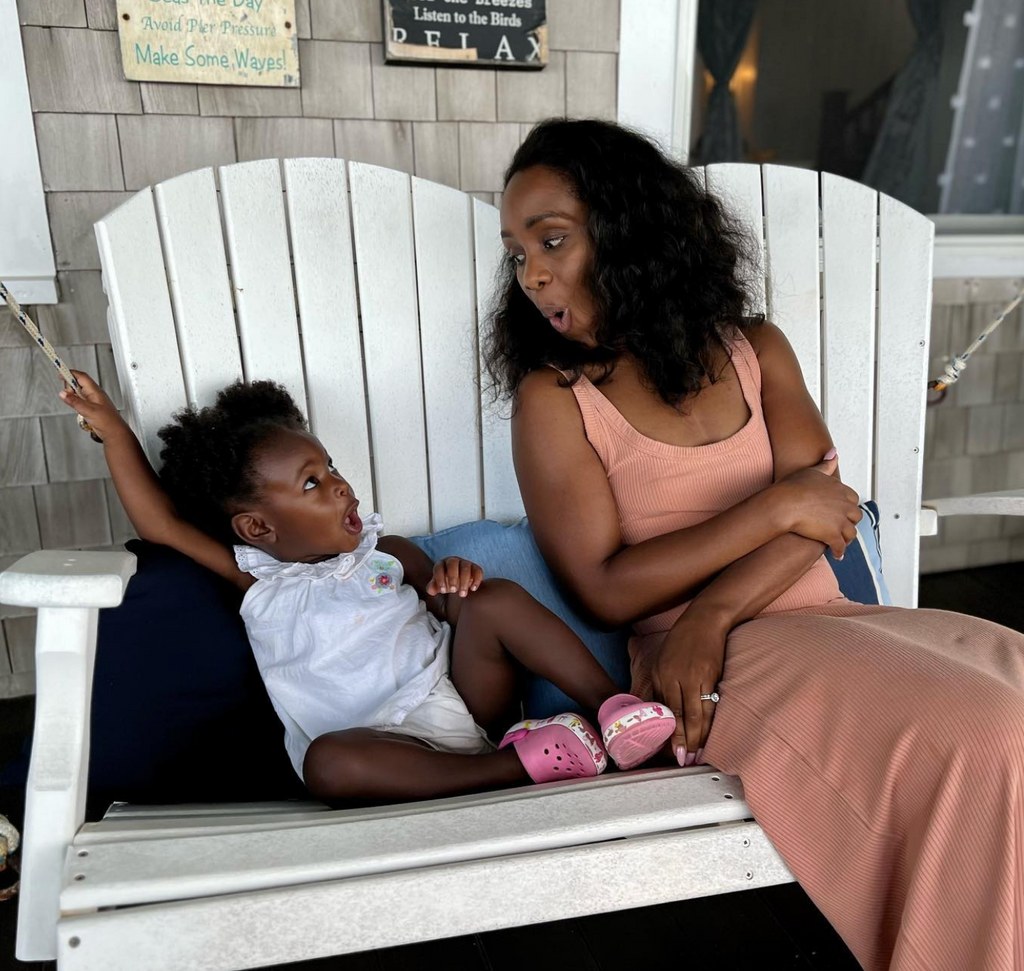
column 859, row 572
column 510, row 552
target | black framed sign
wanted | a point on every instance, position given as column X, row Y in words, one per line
column 466, row 33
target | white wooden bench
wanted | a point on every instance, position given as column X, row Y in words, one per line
column 361, row 289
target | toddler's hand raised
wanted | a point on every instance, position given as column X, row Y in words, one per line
column 455, row 575
column 94, row 406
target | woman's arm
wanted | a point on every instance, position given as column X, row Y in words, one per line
column 147, row 504
column 691, row 658
column 798, row 438
column 573, row 515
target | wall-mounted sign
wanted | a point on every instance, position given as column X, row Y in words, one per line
column 210, row 41
column 467, row 33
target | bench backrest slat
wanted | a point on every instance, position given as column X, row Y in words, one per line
column 849, row 296
column 904, row 310
column 197, row 275
column 791, row 256
column 316, row 197
column 443, row 223
column 261, row 274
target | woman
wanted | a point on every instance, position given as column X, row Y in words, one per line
column 678, row 477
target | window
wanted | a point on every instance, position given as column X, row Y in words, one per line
column 921, row 99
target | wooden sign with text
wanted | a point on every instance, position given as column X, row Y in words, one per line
column 210, row 41
column 467, row 33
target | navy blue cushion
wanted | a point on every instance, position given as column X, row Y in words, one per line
column 859, row 572
column 179, row 712
column 511, row 552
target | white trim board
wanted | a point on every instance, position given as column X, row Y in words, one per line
column 26, row 251
column 979, row 255
column 657, row 43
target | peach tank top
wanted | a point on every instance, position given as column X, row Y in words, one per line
column 660, row 487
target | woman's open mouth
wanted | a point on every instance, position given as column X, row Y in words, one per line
column 559, row 319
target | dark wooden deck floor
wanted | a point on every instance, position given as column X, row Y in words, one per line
column 772, row 928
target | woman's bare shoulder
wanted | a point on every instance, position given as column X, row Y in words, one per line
column 765, row 336
column 542, row 390
column 541, row 380
column 546, row 412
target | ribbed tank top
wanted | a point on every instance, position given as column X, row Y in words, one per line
column 660, row 487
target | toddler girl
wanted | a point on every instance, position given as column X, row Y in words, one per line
column 388, row 672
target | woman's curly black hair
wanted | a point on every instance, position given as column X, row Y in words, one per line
column 667, row 265
column 208, row 453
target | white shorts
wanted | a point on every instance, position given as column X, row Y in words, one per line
column 444, row 723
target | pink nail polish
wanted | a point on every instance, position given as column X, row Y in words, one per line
column 699, row 757
column 690, row 759
column 681, row 755
column 830, row 454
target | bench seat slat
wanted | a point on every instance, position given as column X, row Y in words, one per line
column 339, row 917
column 147, row 870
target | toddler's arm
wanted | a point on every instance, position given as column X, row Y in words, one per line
column 147, row 504
column 452, row 575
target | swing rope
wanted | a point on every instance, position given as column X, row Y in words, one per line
column 48, row 349
column 953, row 369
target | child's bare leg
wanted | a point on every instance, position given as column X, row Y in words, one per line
column 501, row 629
column 365, row 765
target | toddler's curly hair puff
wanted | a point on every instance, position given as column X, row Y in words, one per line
column 207, row 459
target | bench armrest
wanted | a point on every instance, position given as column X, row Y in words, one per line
column 67, row 578
column 1008, row 503
column 67, row 588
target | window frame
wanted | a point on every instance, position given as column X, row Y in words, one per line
column 26, row 254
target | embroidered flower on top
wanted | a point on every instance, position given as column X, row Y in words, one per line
column 381, row 579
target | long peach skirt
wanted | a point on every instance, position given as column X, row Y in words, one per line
column 882, row 750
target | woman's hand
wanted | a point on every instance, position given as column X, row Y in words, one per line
column 689, row 663
column 95, row 407
column 455, row 575
column 816, row 505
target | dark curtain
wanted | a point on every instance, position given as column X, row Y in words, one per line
column 722, row 28
column 898, row 163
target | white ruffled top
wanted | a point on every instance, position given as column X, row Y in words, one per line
column 342, row 643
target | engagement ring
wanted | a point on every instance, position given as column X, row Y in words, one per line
column 711, row 696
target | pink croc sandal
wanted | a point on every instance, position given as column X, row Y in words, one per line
column 562, row 747
column 633, row 730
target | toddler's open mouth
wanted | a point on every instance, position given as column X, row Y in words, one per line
column 352, row 523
